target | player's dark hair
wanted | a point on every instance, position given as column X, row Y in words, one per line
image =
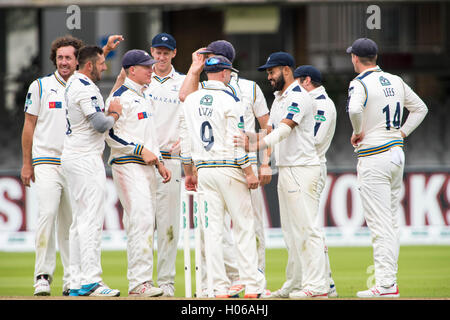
column 65, row 41
column 314, row 83
column 88, row 53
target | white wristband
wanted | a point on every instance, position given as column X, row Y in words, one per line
column 277, row 135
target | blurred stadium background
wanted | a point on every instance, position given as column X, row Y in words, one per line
column 414, row 43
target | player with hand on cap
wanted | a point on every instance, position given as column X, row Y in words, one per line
column 210, row 120
column 253, row 104
column 134, row 156
column 375, row 106
column 310, row 79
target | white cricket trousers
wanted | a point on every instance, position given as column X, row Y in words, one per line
column 225, row 189
column 168, row 222
column 54, row 212
column 299, row 205
column 86, row 179
column 231, row 267
column 380, row 180
column 136, row 188
column 320, row 187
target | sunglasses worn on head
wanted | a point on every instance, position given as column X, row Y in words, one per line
column 216, row 62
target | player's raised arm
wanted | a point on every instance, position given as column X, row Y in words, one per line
column 190, row 83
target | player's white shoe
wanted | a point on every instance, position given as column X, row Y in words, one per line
column 168, row 290
column 305, row 294
column 42, row 287
column 236, row 290
column 380, row 292
column 332, row 292
column 146, row 290
column 280, row 293
column 98, row 289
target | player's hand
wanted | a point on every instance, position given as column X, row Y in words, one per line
column 190, row 183
column 176, row 148
column 115, row 106
column 149, row 157
column 198, row 61
column 356, row 139
column 113, row 42
column 27, row 175
column 252, row 181
column 264, row 174
column 164, row 172
column 242, row 141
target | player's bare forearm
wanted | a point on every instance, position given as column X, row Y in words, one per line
column 27, row 172
column 190, row 83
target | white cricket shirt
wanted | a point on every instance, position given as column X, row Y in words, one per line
column 325, row 121
column 135, row 128
column 83, row 98
column 375, row 105
column 210, row 122
column 45, row 99
column 298, row 149
column 166, row 109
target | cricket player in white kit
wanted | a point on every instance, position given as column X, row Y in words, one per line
column 83, row 166
column 375, row 106
column 310, row 79
column 254, row 106
column 42, row 144
column 163, row 91
column 292, row 140
column 211, row 119
column 134, row 155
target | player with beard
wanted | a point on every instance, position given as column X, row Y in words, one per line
column 83, row 167
column 292, row 142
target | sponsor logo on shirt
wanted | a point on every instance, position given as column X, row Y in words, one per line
column 55, row 105
column 142, row 115
column 206, row 100
column 384, row 81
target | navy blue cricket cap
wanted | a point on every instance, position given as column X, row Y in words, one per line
column 137, row 57
column 217, row 64
column 164, row 40
column 363, row 47
column 277, row 59
column 308, row 71
column 221, row 48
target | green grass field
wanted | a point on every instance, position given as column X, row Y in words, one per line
column 424, row 271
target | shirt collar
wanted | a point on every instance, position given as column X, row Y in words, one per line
column 214, row 84
column 160, row 79
column 376, row 68
column 59, row 78
column 130, row 84
column 317, row 92
column 279, row 95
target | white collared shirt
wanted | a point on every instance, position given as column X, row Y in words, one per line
column 45, row 99
column 135, row 128
column 375, row 105
column 325, row 121
column 164, row 92
column 298, row 149
column 209, row 123
column 83, row 98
